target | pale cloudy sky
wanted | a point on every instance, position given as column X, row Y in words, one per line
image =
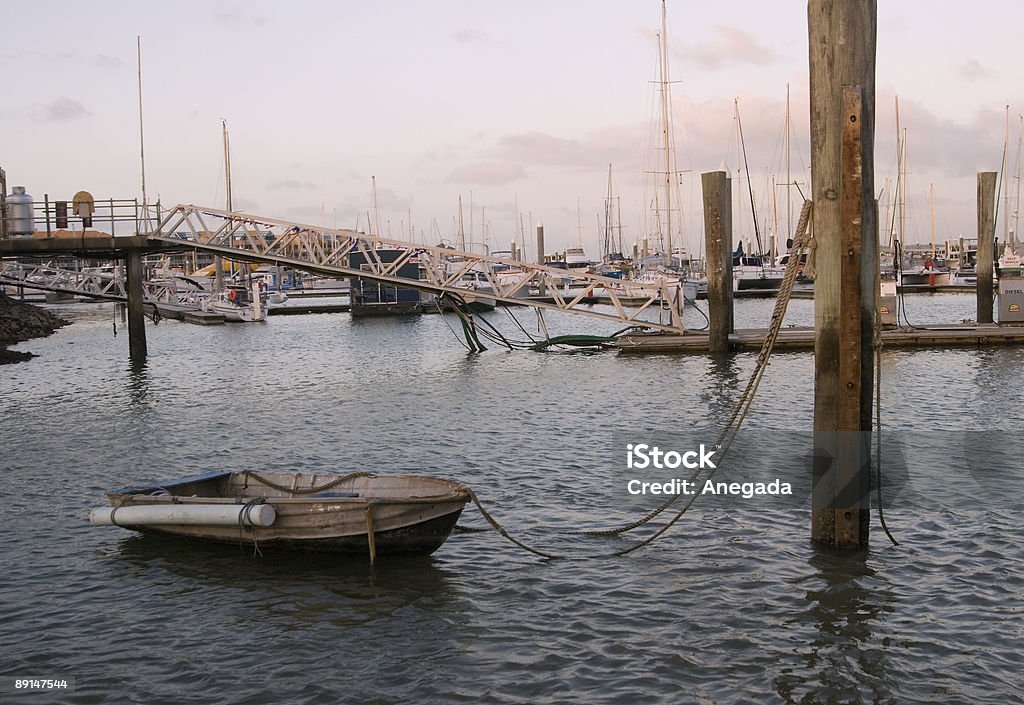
column 494, row 101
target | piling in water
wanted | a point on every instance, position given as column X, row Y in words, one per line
column 718, row 245
column 842, row 79
column 986, row 244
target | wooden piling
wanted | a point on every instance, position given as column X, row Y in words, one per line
column 986, row 244
column 842, row 80
column 718, row 245
column 136, row 315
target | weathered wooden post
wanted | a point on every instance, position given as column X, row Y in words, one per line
column 718, row 245
column 986, row 245
column 842, row 81
column 136, row 315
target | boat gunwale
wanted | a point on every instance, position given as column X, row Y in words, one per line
column 235, row 494
column 453, row 496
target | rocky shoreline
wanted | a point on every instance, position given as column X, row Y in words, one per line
column 20, row 322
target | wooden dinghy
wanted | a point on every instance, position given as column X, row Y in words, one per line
column 359, row 513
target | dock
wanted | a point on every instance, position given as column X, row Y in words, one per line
column 802, row 338
column 193, row 314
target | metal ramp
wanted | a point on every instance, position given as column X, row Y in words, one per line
column 95, row 282
column 243, row 236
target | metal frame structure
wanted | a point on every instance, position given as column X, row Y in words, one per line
column 242, row 236
column 47, row 276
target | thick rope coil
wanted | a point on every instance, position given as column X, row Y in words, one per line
column 735, row 421
column 732, row 427
column 308, row 490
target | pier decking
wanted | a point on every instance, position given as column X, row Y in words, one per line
column 750, row 339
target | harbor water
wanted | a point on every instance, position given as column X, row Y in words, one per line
column 733, row 604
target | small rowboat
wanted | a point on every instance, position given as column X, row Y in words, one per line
column 358, row 513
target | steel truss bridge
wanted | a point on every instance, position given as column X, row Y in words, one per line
column 327, row 251
column 96, row 282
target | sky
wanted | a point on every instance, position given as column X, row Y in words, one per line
column 516, row 108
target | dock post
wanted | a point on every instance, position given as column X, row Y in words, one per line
column 986, row 244
column 136, row 317
column 842, row 79
column 718, row 245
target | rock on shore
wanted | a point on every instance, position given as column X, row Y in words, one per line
column 19, row 322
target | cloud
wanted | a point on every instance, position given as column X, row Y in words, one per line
column 729, row 46
column 60, row 110
column 619, row 145
column 487, row 173
column 238, row 17
column 971, row 70
column 104, row 61
column 280, row 184
column 471, row 37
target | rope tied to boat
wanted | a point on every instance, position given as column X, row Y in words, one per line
column 245, row 523
column 498, row 527
column 732, row 427
column 306, row 490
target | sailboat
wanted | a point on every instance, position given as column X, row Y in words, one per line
column 239, row 302
column 665, row 264
column 753, row 270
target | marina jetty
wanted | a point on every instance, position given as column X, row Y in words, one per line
column 20, row 322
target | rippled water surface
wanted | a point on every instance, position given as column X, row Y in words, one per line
column 733, row 604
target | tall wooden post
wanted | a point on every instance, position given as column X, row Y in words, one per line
column 136, row 316
column 718, row 245
column 842, row 80
column 986, row 245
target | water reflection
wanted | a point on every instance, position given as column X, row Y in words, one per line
column 138, row 383
column 723, row 380
column 843, row 660
column 304, row 587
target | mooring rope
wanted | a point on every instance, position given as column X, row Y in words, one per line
column 878, row 424
column 308, row 490
column 245, row 515
column 499, row 528
column 732, row 426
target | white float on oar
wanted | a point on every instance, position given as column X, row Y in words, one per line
column 259, row 515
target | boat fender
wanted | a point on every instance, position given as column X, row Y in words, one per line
column 233, row 295
column 258, row 515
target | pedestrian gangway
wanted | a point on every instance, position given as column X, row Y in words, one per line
column 106, row 282
column 328, row 251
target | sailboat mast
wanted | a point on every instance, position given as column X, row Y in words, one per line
column 931, row 198
column 142, row 141
column 750, row 185
column 227, row 162
column 1006, row 182
column 666, row 136
column 618, row 209
column 608, row 205
column 789, row 176
column 462, row 232
column 899, row 172
column 376, row 209
column 1016, row 209
column 579, row 221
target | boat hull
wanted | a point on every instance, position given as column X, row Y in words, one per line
column 420, row 539
column 406, row 514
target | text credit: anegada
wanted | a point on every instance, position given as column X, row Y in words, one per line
column 642, row 456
